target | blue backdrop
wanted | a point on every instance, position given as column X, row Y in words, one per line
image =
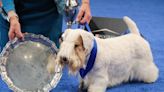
column 149, row 16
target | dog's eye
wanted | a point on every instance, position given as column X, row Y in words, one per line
column 76, row 45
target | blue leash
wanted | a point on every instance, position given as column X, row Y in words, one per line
column 87, row 27
column 83, row 72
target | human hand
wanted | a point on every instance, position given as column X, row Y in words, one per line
column 15, row 28
column 84, row 14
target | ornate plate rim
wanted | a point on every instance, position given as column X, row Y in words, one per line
column 15, row 42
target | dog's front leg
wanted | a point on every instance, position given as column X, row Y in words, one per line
column 83, row 86
column 98, row 86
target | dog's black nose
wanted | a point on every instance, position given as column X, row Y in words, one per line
column 64, row 59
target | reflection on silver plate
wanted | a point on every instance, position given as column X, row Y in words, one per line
column 23, row 64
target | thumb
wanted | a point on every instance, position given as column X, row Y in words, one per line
column 11, row 34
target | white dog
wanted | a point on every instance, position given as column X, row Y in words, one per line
column 120, row 59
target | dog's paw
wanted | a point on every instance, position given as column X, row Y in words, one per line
column 82, row 87
column 82, row 90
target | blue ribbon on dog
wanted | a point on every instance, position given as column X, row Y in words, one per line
column 83, row 72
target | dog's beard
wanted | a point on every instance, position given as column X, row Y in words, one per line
column 74, row 66
column 73, row 61
column 76, row 62
column 51, row 64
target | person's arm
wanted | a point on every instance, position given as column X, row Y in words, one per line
column 84, row 14
column 8, row 5
column 15, row 29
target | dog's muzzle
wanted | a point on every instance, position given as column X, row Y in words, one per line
column 63, row 60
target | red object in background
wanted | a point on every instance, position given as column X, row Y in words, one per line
column 0, row 3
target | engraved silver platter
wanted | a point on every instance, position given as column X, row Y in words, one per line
column 23, row 64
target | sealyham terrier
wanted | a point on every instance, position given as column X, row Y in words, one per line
column 117, row 60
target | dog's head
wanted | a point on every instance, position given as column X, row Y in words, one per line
column 74, row 48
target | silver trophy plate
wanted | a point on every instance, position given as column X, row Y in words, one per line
column 23, row 64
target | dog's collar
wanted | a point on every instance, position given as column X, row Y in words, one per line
column 91, row 61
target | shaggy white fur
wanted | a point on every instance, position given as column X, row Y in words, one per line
column 118, row 60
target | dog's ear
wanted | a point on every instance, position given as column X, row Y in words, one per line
column 79, row 49
column 87, row 40
column 60, row 38
column 63, row 35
